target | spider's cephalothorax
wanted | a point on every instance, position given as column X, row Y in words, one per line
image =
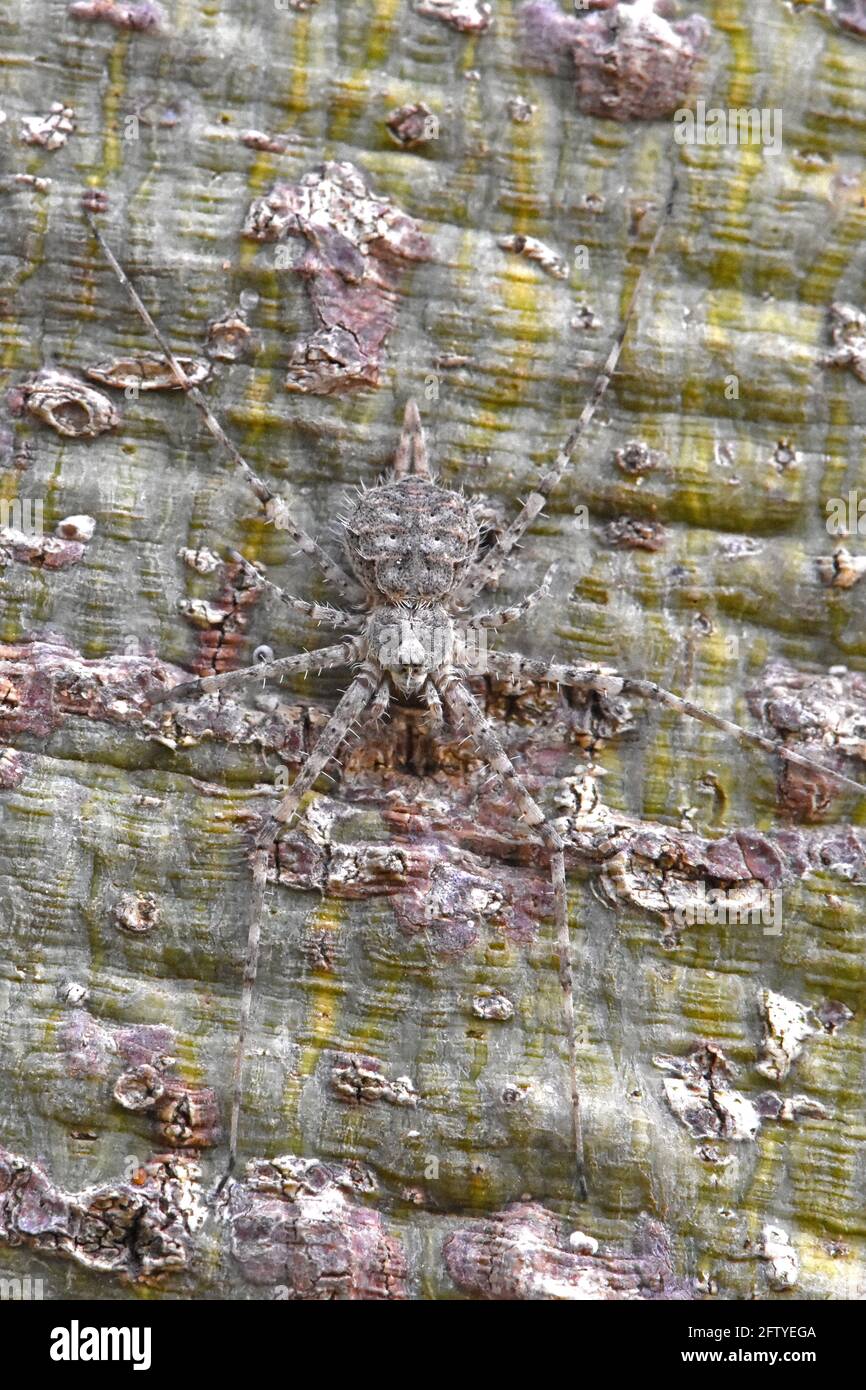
column 412, row 643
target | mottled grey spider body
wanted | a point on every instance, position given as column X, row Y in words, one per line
column 410, row 541
column 411, row 544
column 415, row 567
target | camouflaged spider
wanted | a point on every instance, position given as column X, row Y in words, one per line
column 413, row 548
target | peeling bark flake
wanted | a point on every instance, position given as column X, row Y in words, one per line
column 520, row 1254
column 630, row 62
column 356, row 246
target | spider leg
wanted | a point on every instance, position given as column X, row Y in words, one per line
column 322, row 659
column 319, row 612
column 411, row 455
column 467, row 713
column 351, row 705
column 511, row 665
column 276, row 508
column 500, row 617
column 486, row 571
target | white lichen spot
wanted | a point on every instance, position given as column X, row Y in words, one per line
column 787, row 1025
column 201, row 613
column 699, row 1092
column 51, row 131
column 148, row 371
column 203, row 561
column 68, row 405
column 363, row 1084
column 467, row 16
column 492, row 1006
column 519, row 109
column 73, row 993
column 776, row 1247
column 137, row 912
column 841, row 570
column 76, row 528
column 228, row 337
column 848, row 331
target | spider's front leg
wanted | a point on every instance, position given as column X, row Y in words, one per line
column 318, row 612
column 465, row 712
column 276, row 509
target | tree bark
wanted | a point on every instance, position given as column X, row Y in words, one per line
column 406, row 1120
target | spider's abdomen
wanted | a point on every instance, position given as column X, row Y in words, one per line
column 411, row 541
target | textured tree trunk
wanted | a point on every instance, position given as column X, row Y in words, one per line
column 406, row 1121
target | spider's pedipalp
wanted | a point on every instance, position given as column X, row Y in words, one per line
column 501, row 617
column 378, row 706
column 433, row 701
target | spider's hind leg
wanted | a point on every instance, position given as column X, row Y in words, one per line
column 466, row 712
column 350, row 707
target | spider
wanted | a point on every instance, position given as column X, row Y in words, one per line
column 415, row 568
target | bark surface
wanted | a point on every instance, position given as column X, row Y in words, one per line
column 407, row 1100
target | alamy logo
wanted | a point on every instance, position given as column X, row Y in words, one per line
column 714, row 907
column 846, row 515
column 76, row 1343
column 22, row 514
column 21, row 1290
column 400, row 644
column 736, row 125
